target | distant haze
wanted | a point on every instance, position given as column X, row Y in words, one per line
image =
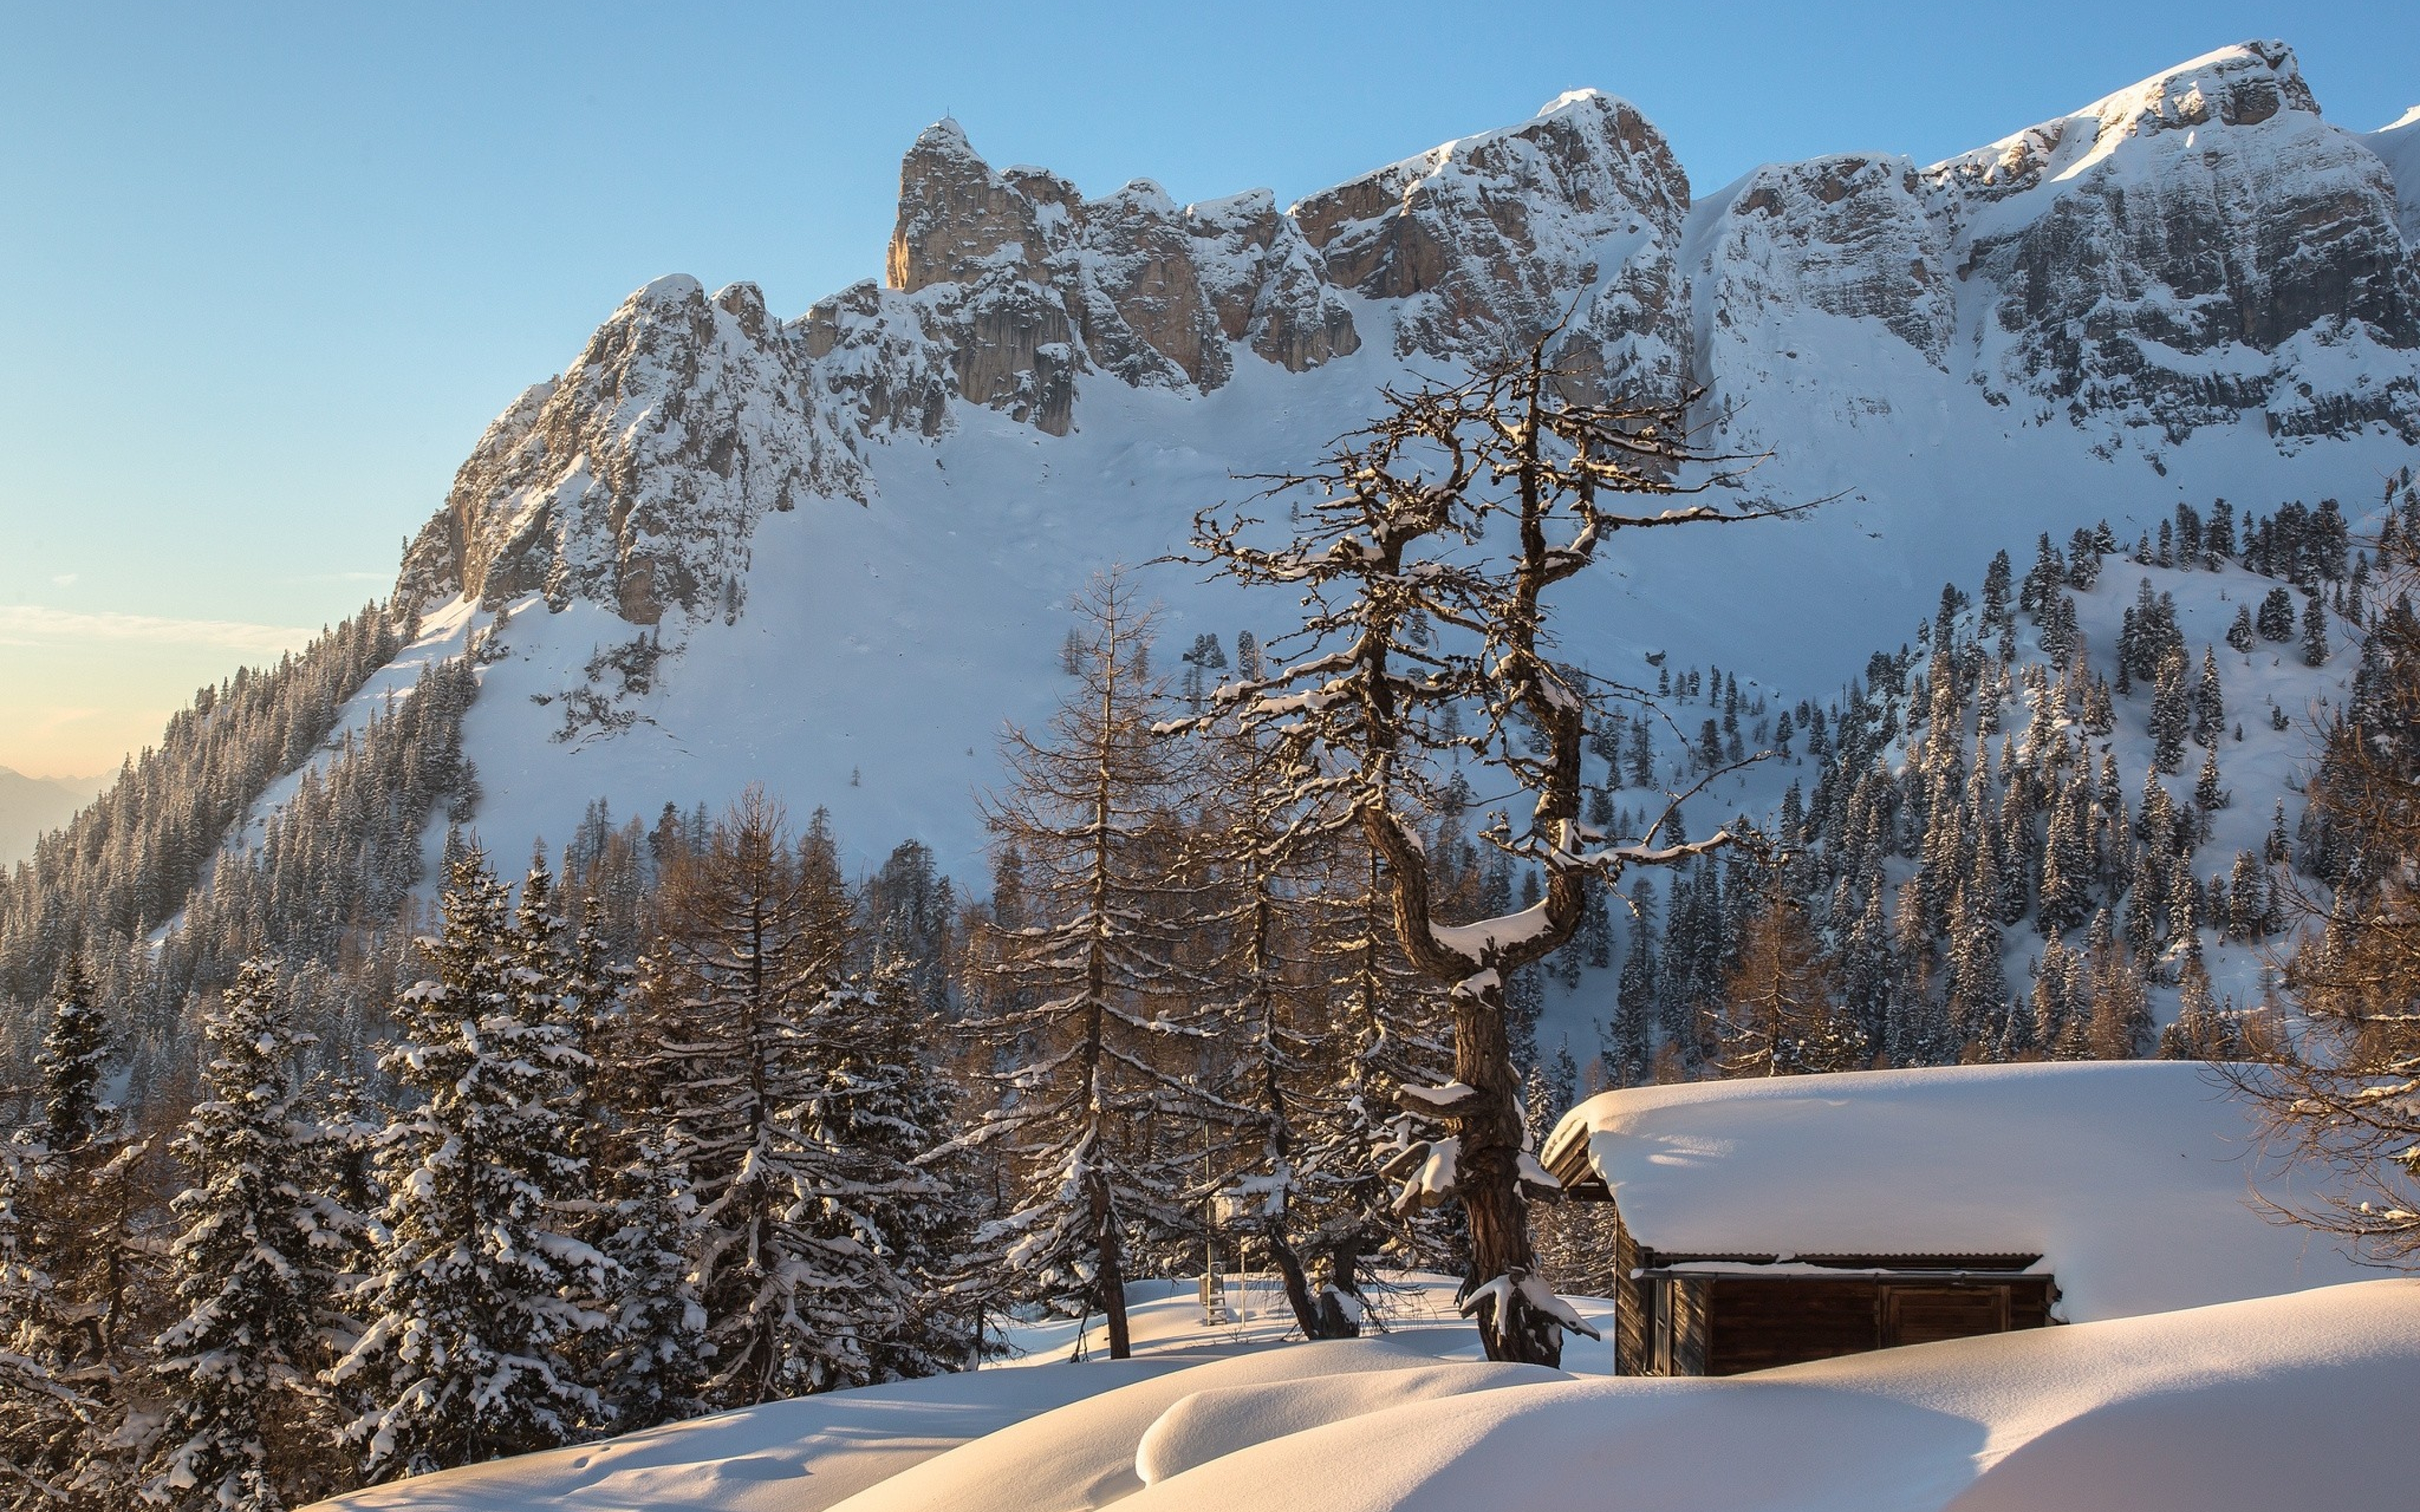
column 32, row 806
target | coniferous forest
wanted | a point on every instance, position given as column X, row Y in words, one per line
column 342, row 1149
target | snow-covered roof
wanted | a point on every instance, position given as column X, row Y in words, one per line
column 2130, row 1178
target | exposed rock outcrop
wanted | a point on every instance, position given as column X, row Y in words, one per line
column 636, row 478
column 1848, row 236
column 1575, row 213
column 2201, row 250
column 2188, row 251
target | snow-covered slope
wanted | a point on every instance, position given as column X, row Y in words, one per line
column 817, row 1451
column 2286, row 1401
column 2247, row 1407
column 830, row 553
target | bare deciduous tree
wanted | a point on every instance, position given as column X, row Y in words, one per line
column 1090, row 995
column 2344, row 1091
column 1424, row 549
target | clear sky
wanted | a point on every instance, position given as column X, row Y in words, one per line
column 265, row 271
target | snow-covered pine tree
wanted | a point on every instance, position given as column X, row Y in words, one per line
column 472, row 1318
column 654, row 1352
column 74, row 1061
column 245, row 1429
column 83, row 1198
column 1088, row 994
column 2171, row 717
column 44, row 1414
column 2209, row 702
column 2315, row 630
column 882, row 1107
column 755, row 941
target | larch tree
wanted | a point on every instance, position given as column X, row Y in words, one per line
column 1425, row 550
column 1275, row 1068
column 1782, row 1016
column 1089, row 993
column 2343, row 1094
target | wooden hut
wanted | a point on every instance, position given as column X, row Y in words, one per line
column 1762, row 1223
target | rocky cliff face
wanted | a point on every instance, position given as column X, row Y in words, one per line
column 2199, row 251
column 636, row 477
column 1574, row 214
column 1853, row 236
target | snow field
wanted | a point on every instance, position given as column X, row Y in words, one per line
column 2253, row 1405
column 2280, row 1402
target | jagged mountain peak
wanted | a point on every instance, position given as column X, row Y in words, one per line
column 2244, row 86
column 2190, row 252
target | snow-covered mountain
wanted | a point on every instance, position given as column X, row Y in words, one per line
column 33, row 806
column 826, row 552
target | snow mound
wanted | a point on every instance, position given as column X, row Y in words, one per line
column 1222, row 1419
column 797, row 1455
column 1085, row 1455
column 2130, row 1178
column 2283, row 1401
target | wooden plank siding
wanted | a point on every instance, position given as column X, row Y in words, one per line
column 1759, row 1324
column 1722, row 1323
column 1633, row 1346
column 1756, row 1324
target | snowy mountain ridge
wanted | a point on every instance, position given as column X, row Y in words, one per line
column 826, row 552
column 2195, row 249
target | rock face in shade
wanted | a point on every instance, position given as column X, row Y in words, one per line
column 2192, row 250
column 2201, row 250
column 1850, row 236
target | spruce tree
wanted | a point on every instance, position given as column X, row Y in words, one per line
column 2276, row 621
column 2209, row 702
column 471, row 1318
column 251, row 1272
column 45, row 1413
column 754, row 946
column 74, row 1062
column 2171, row 717
column 882, row 1107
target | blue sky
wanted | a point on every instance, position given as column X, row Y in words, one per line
column 267, row 271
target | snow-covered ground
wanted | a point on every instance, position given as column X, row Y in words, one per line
column 2281, row 1403
column 812, row 1453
